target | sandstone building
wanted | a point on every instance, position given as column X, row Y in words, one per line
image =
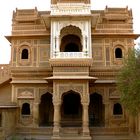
column 61, row 80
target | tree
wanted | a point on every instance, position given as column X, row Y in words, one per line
column 128, row 82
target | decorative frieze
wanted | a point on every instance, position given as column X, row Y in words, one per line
column 114, row 94
column 25, row 93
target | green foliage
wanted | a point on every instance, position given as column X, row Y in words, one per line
column 129, row 82
column 14, row 138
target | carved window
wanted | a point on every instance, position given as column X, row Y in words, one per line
column 25, row 109
column 24, row 54
column 118, row 53
column 117, row 109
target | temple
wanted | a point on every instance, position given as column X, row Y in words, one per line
column 61, row 81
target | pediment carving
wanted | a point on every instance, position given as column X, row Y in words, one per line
column 114, row 94
column 25, row 94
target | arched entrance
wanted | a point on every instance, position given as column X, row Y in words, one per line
column 96, row 110
column 71, row 109
column 46, row 110
column 71, row 43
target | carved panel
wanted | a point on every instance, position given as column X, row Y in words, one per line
column 44, row 53
column 97, row 53
column 113, row 93
column 119, row 42
column 130, row 41
column 25, row 89
column 22, row 41
column 25, row 93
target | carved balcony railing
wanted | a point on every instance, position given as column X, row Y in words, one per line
column 64, row 55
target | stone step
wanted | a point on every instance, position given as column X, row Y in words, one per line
column 114, row 137
column 103, row 137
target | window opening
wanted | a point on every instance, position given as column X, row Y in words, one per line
column 26, row 109
column 118, row 53
column 24, row 54
column 117, row 109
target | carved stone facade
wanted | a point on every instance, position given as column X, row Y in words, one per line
column 61, row 80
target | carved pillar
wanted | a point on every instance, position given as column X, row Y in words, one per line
column 57, row 44
column 84, row 43
column 57, row 116
column 85, row 120
column 36, row 114
column 106, row 114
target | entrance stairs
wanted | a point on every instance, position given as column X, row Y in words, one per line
column 72, row 133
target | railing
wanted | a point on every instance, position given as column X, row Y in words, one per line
column 114, row 26
column 71, row 55
column 113, row 31
column 28, row 27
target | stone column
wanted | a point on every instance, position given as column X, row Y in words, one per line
column 106, row 114
column 36, row 114
column 56, row 128
column 57, row 44
column 85, row 120
column 85, row 44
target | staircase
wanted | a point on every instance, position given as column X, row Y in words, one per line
column 74, row 133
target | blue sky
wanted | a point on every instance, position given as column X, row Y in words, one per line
column 7, row 7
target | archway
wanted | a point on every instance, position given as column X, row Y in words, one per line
column 46, row 110
column 96, row 110
column 70, row 43
column 71, row 109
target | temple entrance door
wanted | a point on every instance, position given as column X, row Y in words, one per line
column 71, row 110
column 46, row 110
column 96, row 110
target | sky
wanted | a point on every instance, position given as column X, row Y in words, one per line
column 8, row 6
